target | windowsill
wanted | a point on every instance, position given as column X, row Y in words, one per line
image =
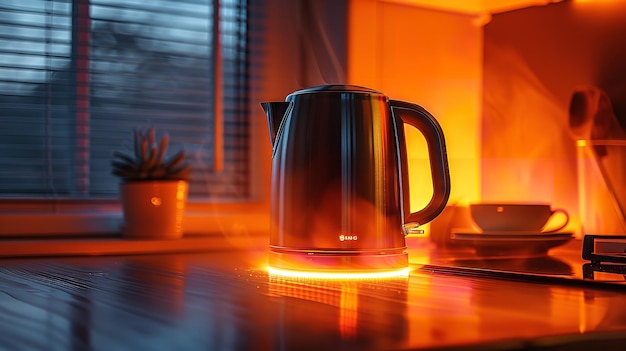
column 94, row 246
column 88, row 223
column 96, row 232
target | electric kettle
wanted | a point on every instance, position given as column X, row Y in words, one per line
column 339, row 187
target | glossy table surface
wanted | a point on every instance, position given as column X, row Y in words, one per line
column 226, row 300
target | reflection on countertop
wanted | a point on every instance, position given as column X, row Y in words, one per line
column 559, row 265
column 226, row 300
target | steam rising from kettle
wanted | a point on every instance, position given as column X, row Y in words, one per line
column 339, row 194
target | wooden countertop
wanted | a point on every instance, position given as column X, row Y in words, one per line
column 225, row 300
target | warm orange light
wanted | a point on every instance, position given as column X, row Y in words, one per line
column 348, row 313
column 404, row 272
column 476, row 7
column 595, row 1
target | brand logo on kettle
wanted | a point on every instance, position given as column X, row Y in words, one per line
column 343, row 237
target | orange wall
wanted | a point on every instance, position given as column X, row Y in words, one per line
column 500, row 93
column 432, row 58
column 528, row 151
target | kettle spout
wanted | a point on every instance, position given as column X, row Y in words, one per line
column 275, row 111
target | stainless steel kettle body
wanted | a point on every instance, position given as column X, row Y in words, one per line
column 339, row 192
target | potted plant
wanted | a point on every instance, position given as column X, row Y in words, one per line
column 154, row 187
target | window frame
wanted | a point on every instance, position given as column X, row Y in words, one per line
column 36, row 218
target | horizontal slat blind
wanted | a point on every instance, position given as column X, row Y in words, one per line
column 35, row 50
column 76, row 77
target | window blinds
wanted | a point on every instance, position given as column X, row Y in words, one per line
column 76, row 77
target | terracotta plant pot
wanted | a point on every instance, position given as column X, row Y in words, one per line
column 153, row 209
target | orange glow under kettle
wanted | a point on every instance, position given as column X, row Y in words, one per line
column 339, row 191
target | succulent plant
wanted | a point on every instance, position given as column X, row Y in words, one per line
column 148, row 160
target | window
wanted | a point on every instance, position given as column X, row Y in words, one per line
column 76, row 76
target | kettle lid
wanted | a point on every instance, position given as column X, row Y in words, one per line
column 337, row 88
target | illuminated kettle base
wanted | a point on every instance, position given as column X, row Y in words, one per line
column 338, row 261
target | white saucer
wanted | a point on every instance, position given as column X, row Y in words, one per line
column 503, row 244
column 504, row 232
column 508, row 236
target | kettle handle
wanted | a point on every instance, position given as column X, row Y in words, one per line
column 421, row 119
